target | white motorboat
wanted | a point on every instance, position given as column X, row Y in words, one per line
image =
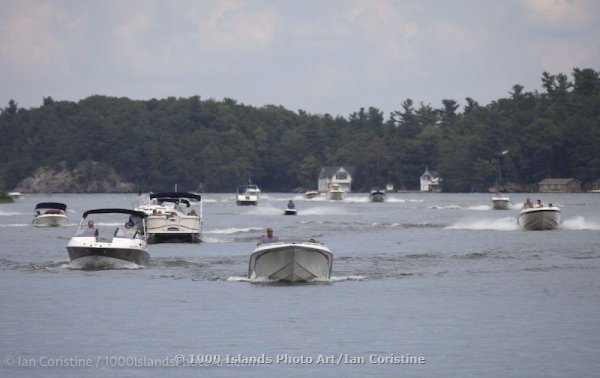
column 247, row 194
column 539, row 218
column 173, row 217
column 291, row 261
column 500, row 202
column 311, row 194
column 14, row 195
column 50, row 214
column 335, row 193
column 99, row 245
column 377, row 195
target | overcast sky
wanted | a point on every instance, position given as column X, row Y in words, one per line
column 321, row 56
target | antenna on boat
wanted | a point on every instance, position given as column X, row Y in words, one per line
column 175, row 188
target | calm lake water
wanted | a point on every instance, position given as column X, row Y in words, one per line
column 423, row 285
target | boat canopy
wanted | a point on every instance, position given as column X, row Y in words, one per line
column 136, row 213
column 51, row 205
column 164, row 195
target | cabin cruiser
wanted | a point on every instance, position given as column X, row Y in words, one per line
column 291, row 261
column 247, row 194
column 539, row 218
column 377, row 195
column 172, row 217
column 100, row 245
column 500, row 202
column 335, row 193
column 50, row 214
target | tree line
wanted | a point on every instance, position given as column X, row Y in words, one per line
column 213, row 146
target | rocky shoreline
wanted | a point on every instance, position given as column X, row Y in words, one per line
column 86, row 177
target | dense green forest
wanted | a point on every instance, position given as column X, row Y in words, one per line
column 213, row 146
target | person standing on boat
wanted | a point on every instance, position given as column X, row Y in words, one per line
column 269, row 238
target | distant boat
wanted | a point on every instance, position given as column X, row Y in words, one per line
column 335, row 193
column 290, row 209
column 50, row 214
column 539, row 218
column 247, row 194
column 377, row 195
column 291, row 261
column 500, row 202
column 14, row 195
column 311, row 194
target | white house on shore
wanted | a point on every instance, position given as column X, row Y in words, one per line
column 341, row 176
column 430, row 182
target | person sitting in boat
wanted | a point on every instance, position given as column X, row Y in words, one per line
column 192, row 212
column 269, row 238
column 90, row 230
column 291, row 204
column 127, row 231
column 539, row 204
column 528, row 204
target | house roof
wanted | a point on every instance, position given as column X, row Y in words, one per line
column 557, row 181
column 330, row 171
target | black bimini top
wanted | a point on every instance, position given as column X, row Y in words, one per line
column 135, row 213
column 196, row 197
column 51, row 205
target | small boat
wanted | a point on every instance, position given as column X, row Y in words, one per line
column 311, row 194
column 291, row 261
column 377, row 195
column 50, row 214
column 14, row 195
column 247, row 194
column 290, row 209
column 172, row 217
column 500, row 202
column 335, row 193
column 102, row 247
column 539, row 218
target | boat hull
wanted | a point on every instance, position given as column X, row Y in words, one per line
column 335, row 196
column 290, row 212
column 52, row 220
column 377, row 197
column 501, row 203
column 538, row 219
column 177, row 229
column 291, row 262
column 311, row 194
column 126, row 250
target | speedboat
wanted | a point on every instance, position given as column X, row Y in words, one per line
column 247, row 194
column 377, row 195
column 291, row 261
column 539, row 218
column 311, row 194
column 14, row 195
column 172, row 217
column 106, row 246
column 50, row 214
column 500, row 202
column 335, row 193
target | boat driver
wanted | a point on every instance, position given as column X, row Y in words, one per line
column 269, row 238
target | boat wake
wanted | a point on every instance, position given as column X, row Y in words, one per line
column 579, row 223
column 501, row 224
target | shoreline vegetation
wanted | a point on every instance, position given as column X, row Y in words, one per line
column 100, row 143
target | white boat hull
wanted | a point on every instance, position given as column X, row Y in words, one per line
column 542, row 218
column 52, row 220
column 86, row 250
column 246, row 199
column 290, row 212
column 501, row 203
column 377, row 197
column 292, row 262
column 181, row 228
